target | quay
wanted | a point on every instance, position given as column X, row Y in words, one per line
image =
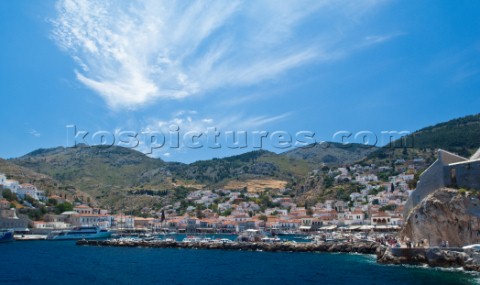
column 363, row 247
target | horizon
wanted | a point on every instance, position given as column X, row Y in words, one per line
column 352, row 67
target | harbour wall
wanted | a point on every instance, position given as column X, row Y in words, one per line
column 346, row 247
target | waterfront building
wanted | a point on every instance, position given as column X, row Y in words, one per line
column 83, row 209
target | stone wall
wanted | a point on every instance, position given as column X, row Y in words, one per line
column 467, row 174
column 430, row 180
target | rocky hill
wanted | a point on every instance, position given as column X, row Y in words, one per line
column 461, row 136
column 111, row 174
column 331, row 154
column 41, row 181
column 255, row 164
column 105, row 173
column 445, row 215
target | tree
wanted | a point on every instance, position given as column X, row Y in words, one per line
column 328, row 181
column 310, row 212
column 198, row 212
column 392, row 188
column 51, row 202
column 8, row 194
column 63, row 207
column 263, row 218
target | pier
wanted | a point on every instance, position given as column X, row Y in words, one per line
column 366, row 247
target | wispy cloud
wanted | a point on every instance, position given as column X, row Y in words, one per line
column 378, row 39
column 34, row 133
column 132, row 53
column 192, row 121
column 457, row 64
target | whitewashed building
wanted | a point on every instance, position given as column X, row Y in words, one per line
column 30, row 190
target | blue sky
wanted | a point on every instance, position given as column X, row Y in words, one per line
column 317, row 66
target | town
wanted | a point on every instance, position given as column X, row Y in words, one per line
column 377, row 205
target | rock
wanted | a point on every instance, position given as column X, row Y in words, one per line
column 385, row 256
column 444, row 215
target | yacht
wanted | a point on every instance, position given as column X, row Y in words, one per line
column 80, row 233
column 191, row 239
column 6, row 235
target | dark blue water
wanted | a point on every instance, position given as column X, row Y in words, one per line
column 62, row 262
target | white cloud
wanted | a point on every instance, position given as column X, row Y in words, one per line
column 188, row 121
column 132, row 54
column 34, row 133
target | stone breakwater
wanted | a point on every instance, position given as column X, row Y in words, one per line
column 345, row 247
column 433, row 257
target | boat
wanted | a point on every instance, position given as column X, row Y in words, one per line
column 251, row 235
column 271, row 239
column 29, row 237
column 191, row 239
column 223, row 240
column 80, row 233
column 6, row 235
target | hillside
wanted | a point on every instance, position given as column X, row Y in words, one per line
column 333, row 155
column 110, row 175
column 102, row 172
column 461, row 136
column 250, row 165
column 42, row 181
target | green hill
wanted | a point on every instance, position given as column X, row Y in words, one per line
column 41, row 181
column 105, row 173
column 331, row 154
column 461, row 136
column 121, row 177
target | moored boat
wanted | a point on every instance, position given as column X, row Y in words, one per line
column 80, row 233
column 190, row 239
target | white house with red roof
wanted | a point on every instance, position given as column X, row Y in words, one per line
column 27, row 189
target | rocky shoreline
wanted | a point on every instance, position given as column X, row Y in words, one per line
column 345, row 247
column 433, row 257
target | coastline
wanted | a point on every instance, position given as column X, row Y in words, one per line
column 469, row 260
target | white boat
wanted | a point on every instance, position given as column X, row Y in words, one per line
column 206, row 240
column 225, row 240
column 190, row 239
column 80, row 233
column 29, row 237
column 271, row 239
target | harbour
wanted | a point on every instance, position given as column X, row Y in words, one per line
column 147, row 265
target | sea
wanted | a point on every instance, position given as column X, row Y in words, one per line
column 63, row 262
